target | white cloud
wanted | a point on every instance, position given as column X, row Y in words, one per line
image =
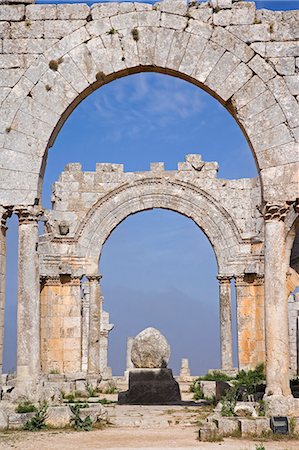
column 144, row 103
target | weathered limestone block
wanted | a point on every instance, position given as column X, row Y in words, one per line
column 12, row 13
column 150, row 349
column 232, row 43
column 251, row 33
column 173, row 6
column 41, row 12
column 58, row 416
column 284, row 66
column 3, row 420
column 71, row 12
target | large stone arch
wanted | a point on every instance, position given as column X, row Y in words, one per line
column 232, row 253
column 192, row 43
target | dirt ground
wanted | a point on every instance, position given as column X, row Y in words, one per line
column 142, row 439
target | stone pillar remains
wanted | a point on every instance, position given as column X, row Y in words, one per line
column 129, row 364
column 105, row 328
column 85, row 326
column 226, row 337
column 61, row 324
column 293, row 311
column 276, row 305
column 3, row 217
column 94, row 324
column 28, row 325
column 250, row 320
column 185, row 370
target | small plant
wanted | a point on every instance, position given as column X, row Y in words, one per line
column 54, row 372
column 104, row 401
column 271, row 27
column 135, row 34
column 229, row 401
column 260, row 447
column 25, row 407
column 37, row 422
column 90, row 389
column 197, row 390
column 48, row 87
column 261, row 408
column 112, row 31
column 77, row 422
column 100, row 76
column 257, row 21
column 27, row 23
column 71, row 398
column 54, row 64
column 215, row 375
column 292, row 424
column 110, row 388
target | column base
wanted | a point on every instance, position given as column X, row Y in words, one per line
column 278, row 405
column 27, row 389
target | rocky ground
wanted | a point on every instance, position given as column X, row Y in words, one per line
column 126, row 438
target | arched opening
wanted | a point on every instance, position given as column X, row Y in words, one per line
column 144, row 118
column 157, row 272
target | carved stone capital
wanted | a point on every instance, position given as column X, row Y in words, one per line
column 245, row 279
column 4, row 215
column 275, row 211
column 224, row 279
column 50, row 280
column 29, row 215
column 94, row 278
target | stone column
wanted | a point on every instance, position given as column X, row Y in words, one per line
column 61, row 324
column 250, row 320
column 226, row 338
column 105, row 329
column 94, row 324
column 276, row 305
column 28, row 334
column 85, row 326
column 129, row 364
column 3, row 217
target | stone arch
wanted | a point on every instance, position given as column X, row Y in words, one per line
column 167, row 38
column 178, row 196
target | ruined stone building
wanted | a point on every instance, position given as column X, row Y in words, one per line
column 51, row 58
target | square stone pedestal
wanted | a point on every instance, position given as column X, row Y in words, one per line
column 150, row 387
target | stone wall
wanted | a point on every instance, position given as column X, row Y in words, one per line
column 87, row 206
column 52, row 56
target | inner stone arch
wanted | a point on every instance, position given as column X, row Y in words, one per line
column 169, row 285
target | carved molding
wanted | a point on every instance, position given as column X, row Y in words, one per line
column 224, row 279
column 276, row 211
column 94, row 278
column 247, row 279
column 29, row 215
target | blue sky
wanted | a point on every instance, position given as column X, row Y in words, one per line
column 158, row 267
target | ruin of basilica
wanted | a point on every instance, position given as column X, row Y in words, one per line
column 51, row 58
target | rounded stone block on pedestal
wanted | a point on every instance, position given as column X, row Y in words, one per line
column 150, row 349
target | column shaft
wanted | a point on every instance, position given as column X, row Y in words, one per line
column 85, row 326
column 2, row 282
column 94, row 325
column 250, row 319
column 28, row 335
column 226, row 337
column 276, row 309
